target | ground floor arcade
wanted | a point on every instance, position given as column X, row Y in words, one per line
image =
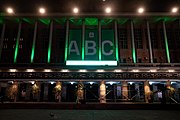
column 81, row 91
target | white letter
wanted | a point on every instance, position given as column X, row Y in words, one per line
column 90, row 45
column 103, row 44
column 74, row 45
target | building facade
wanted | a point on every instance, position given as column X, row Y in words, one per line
column 94, row 58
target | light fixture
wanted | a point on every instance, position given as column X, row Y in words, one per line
column 174, row 10
column 30, row 70
column 170, row 70
column 82, row 70
column 64, row 70
column 108, row 10
column 140, row 10
column 12, row 70
column 100, row 70
column 130, row 83
column 42, row 10
column 10, row 10
column 72, row 83
column 75, row 10
column 111, row 83
column 52, row 82
column 135, row 70
column 91, row 83
column 118, row 70
column 153, row 70
column 47, row 70
column 91, row 63
column 32, row 82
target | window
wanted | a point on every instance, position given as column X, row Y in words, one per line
column 123, row 43
column 138, row 38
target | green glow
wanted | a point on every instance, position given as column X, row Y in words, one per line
column 28, row 20
column 91, row 63
column 91, row 21
column 46, row 21
column 1, row 20
column 33, row 44
column 60, row 20
column 134, row 55
column 83, row 42
column 75, row 21
column 106, row 21
column 50, row 42
column 166, row 42
column 32, row 52
column 17, row 43
column 166, row 19
column 122, row 21
column 116, row 42
column 66, row 42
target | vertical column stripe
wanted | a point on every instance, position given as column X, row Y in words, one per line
column 132, row 42
column 2, row 39
column 149, row 41
column 17, row 43
column 83, row 38
column 99, row 31
column 50, row 42
column 166, row 43
column 67, row 39
column 34, row 43
column 116, row 41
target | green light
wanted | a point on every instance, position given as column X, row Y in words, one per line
column 116, row 41
column 1, row 20
column 122, row 21
column 166, row 42
column 67, row 39
column 91, row 21
column 76, row 21
column 34, row 42
column 166, row 19
column 91, row 63
column 60, row 20
column 134, row 54
column 106, row 21
column 83, row 37
column 17, row 43
column 28, row 20
column 46, row 21
column 50, row 42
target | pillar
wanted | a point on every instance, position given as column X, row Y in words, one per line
column 149, row 41
column 46, row 88
column 133, row 43
column 155, row 95
column 80, row 92
column 147, row 91
column 125, row 90
column 137, row 92
column 102, row 92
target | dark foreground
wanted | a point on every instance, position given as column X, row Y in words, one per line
column 68, row 114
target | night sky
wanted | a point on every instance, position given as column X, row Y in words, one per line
column 88, row 6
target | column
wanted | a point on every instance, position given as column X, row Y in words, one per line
column 2, row 39
column 34, row 42
column 99, row 31
column 133, row 43
column 80, row 92
column 67, row 39
column 166, row 43
column 17, row 43
column 102, row 92
column 147, row 91
column 137, row 92
column 125, row 90
column 83, row 38
column 155, row 89
column 46, row 88
column 116, row 41
column 50, row 42
column 149, row 41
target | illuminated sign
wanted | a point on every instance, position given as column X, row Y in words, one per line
column 91, row 51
